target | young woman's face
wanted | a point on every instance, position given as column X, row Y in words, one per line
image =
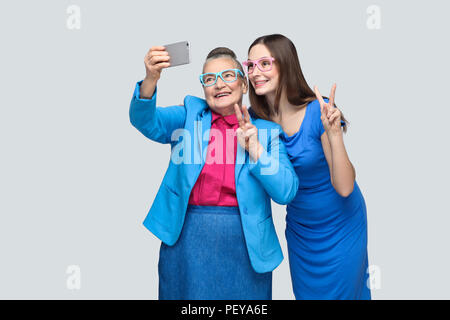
column 264, row 83
column 222, row 96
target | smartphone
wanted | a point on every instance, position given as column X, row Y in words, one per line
column 178, row 52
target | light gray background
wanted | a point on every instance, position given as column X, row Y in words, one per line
column 77, row 179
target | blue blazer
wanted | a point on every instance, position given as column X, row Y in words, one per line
column 184, row 127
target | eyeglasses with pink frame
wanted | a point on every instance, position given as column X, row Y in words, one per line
column 256, row 62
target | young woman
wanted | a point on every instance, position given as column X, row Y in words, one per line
column 212, row 211
column 326, row 224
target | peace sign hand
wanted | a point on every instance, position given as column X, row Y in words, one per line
column 330, row 115
column 247, row 133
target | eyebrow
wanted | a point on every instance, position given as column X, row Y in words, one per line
column 258, row 58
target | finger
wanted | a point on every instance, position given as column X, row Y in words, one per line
column 324, row 110
column 157, row 59
column 251, row 132
column 248, row 126
column 331, row 111
column 332, row 94
column 157, row 48
column 239, row 115
column 246, row 114
column 334, row 116
column 324, row 119
column 319, row 96
column 240, row 137
column 162, row 65
column 158, row 53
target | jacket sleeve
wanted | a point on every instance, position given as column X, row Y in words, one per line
column 156, row 123
column 275, row 172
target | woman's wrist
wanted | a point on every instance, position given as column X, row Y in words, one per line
column 256, row 152
column 149, row 80
column 148, row 86
column 335, row 136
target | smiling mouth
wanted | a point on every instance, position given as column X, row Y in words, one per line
column 260, row 83
column 222, row 95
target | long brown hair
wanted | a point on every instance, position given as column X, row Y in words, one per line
column 291, row 78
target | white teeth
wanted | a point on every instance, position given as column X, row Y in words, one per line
column 222, row 95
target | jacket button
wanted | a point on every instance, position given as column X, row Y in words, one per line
column 245, row 210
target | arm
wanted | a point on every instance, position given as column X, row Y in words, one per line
column 155, row 123
column 275, row 172
column 342, row 172
column 271, row 167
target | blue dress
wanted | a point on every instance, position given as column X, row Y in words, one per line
column 326, row 233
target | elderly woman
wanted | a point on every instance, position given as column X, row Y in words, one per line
column 213, row 211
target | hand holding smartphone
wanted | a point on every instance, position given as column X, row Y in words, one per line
column 160, row 57
column 178, row 53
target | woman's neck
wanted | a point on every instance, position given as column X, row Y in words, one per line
column 285, row 108
column 226, row 111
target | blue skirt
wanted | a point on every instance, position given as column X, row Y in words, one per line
column 210, row 260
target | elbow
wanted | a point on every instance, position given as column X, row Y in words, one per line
column 135, row 123
column 281, row 200
column 132, row 116
column 344, row 192
column 289, row 193
column 344, row 189
column 294, row 188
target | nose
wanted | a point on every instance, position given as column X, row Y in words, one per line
column 256, row 71
column 219, row 83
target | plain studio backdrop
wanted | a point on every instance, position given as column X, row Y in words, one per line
column 77, row 180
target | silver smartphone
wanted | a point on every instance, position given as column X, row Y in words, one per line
column 178, row 52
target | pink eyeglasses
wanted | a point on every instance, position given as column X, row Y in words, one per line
column 264, row 64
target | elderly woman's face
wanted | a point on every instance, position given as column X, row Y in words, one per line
column 222, row 95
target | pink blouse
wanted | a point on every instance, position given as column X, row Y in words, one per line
column 215, row 185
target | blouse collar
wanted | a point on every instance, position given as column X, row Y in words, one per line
column 229, row 119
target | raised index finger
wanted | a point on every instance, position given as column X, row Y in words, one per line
column 319, row 97
column 237, row 109
column 246, row 114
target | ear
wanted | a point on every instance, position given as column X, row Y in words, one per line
column 245, row 85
